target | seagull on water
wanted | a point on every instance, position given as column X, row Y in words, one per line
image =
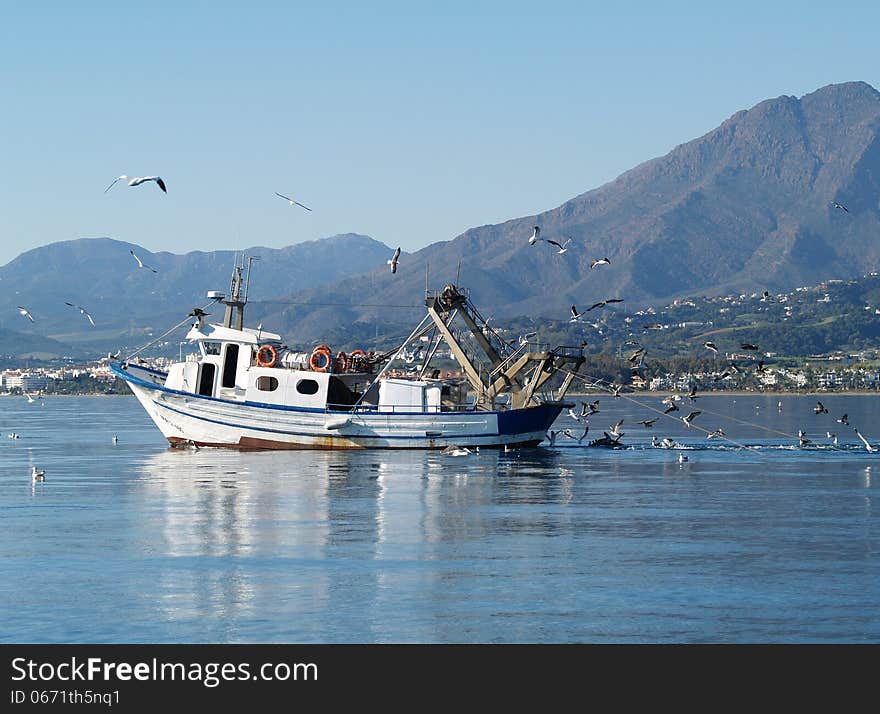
column 37, row 475
column 562, row 246
column 292, row 201
column 137, row 181
column 394, row 259
column 534, row 237
column 141, row 263
column 83, row 311
column 30, row 399
column 603, row 303
column 840, row 206
column 453, row 450
column 25, row 313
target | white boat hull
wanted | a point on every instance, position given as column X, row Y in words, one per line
column 185, row 418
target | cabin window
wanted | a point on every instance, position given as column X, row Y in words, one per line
column 211, row 348
column 267, row 384
column 307, row 386
column 206, row 379
column 230, row 365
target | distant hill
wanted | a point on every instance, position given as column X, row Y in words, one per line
column 127, row 302
column 745, row 207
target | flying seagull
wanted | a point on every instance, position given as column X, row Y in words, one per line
column 637, row 355
column 575, row 315
column 394, row 259
column 25, row 313
column 603, row 303
column 653, row 326
column 717, row 434
column 711, row 346
column 616, row 428
column 580, row 438
column 840, row 206
column 820, row 408
column 534, row 238
column 648, row 423
column 871, row 449
column 692, row 395
column 561, row 246
column 82, row 311
column 599, row 261
column 690, row 417
column 138, row 180
column 748, row 346
column 844, row 420
column 141, row 263
column 292, row 201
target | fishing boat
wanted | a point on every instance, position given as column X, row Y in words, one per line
column 244, row 388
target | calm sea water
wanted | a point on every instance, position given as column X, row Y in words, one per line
column 134, row 542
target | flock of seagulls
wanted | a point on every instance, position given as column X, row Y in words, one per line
column 636, row 359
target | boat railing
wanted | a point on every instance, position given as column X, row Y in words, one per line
column 398, row 408
column 534, row 347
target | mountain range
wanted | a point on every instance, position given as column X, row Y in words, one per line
column 129, row 303
column 748, row 206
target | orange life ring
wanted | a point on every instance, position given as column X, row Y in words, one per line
column 341, row 362
column 321, row 352
column 266, row 361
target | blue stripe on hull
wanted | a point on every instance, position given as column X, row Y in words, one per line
column 524, row 421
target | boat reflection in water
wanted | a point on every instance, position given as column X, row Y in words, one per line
column 327, row 541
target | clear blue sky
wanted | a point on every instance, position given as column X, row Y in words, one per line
column 410, row 125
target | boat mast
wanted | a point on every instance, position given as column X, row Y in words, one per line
column 234, row 316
